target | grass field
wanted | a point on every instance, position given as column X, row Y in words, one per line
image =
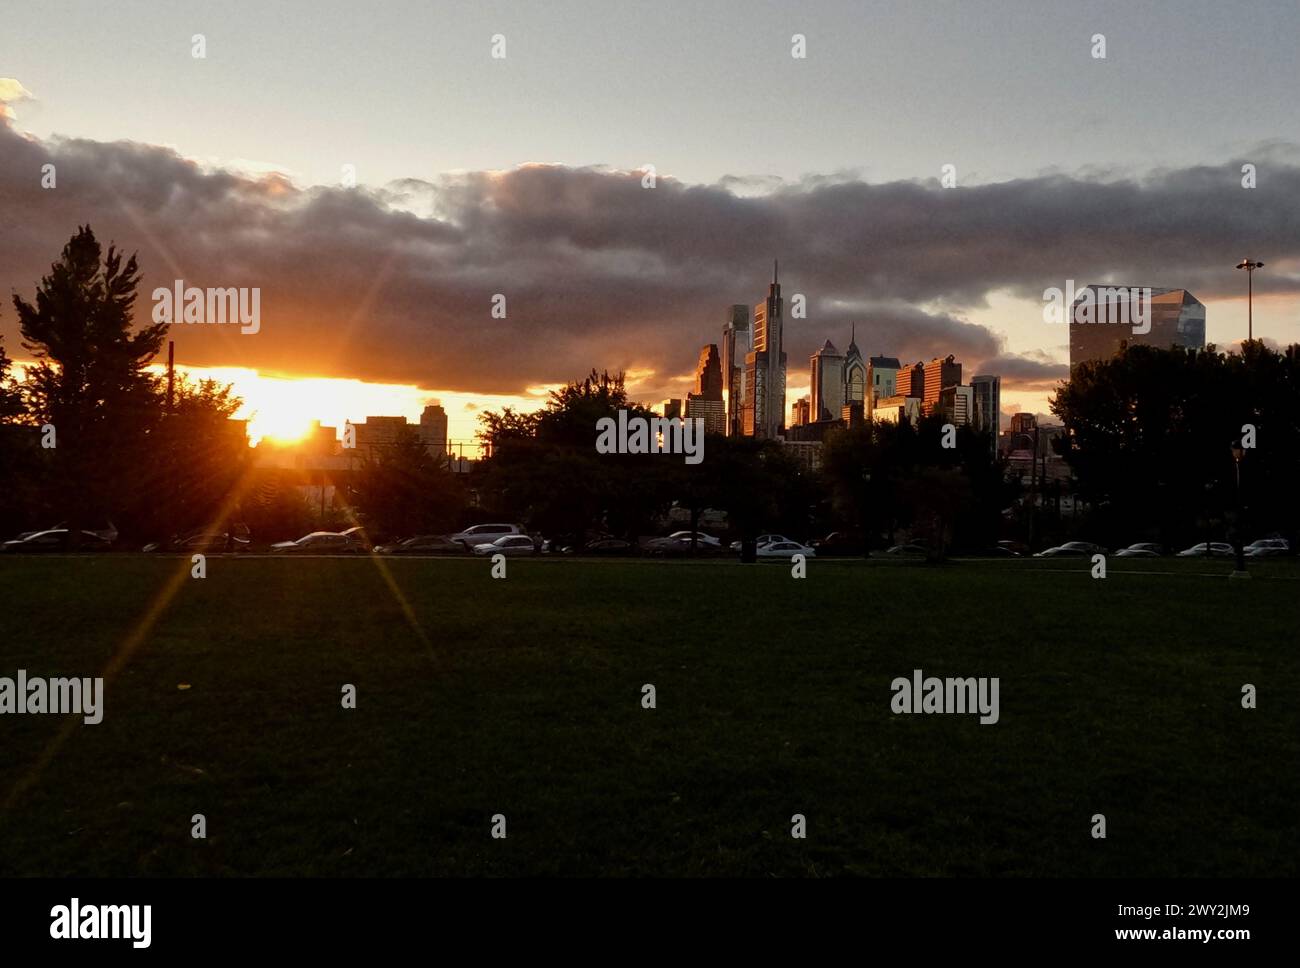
column 523, row 697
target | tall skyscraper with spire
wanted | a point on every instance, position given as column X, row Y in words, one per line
column 764, row 406
column 855, row 371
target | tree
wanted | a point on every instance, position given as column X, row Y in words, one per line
column 403, row 490
column 544, row 469
column 199, row 462
column 12, row 406
column 89, row 381
column 1148, row 435
column 22, row 462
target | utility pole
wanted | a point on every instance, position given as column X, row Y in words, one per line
column 171, row 374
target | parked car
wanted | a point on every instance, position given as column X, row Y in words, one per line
column 108, row 531
column 701, row 539
column 206, row 542
column 606, row 546
column 484, row 534
column 785, row 549
column 998, row 551
column 359, row 535
column 320, row 543
column 510, row 545
column 1143, row 549
column 666, row 547
column 763, row 539
column 1072, row 549
column 908, row 549
column 56, row 539
column 1218, row 549
column 1268, row 548
column 1017, row 548
column 839, row 543
column 424, row 544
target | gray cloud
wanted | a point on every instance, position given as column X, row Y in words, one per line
column 396, row 284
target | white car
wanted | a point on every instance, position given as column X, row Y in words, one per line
column 700, row 538
column 511, row 544
column 785, row 549
column 763, row 539
column 320, row 543
column 485, row 534
column 1268, row 548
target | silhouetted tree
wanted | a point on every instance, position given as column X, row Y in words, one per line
column 403, row 490
column 89, row 380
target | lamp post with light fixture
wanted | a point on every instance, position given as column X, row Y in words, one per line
column 1238, row 452
column 1250, row 268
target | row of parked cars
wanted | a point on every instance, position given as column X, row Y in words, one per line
column 513, row 540
column 1263, row 548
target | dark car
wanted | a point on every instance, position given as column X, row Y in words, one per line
column 1143, row 549
column 206, row 542
column 424, row 544
column 837, row 544
column 908, row 549
column 608, row 546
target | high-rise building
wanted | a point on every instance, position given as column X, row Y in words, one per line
column 956, row 404
column 708, row 374
column 855, row 371
column 735, row 347
column 939, row 374
column 1023, row 423
column 764, row 408
column 706, row 402
column 987, row 416
column 910, row 381
column 1105, row 317
column 712, row 412
column 672, row 408
column 882, row 378
column 800, row 411
column 827, row 383
column 433, row 429
column 378, row 433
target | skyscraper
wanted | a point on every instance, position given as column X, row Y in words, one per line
column 939, row 375
column 708, row 373
column 827, row 383
column 433, row 429
column 987, row 416
column 1103, row 317
column 706, row 401
column 855, row 372
column 909, row 381
column 735, row 347
column 764, row 408
column 882, row 378
column 957, row 404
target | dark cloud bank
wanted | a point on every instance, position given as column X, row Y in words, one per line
column 598, row 270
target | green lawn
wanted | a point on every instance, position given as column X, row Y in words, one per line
column 1119, row 697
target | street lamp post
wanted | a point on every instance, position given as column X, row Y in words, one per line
column 1238, row 452
column 1250, row 268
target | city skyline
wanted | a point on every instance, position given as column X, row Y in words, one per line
column 380, row 257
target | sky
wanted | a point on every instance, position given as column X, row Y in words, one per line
column 524, row 176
